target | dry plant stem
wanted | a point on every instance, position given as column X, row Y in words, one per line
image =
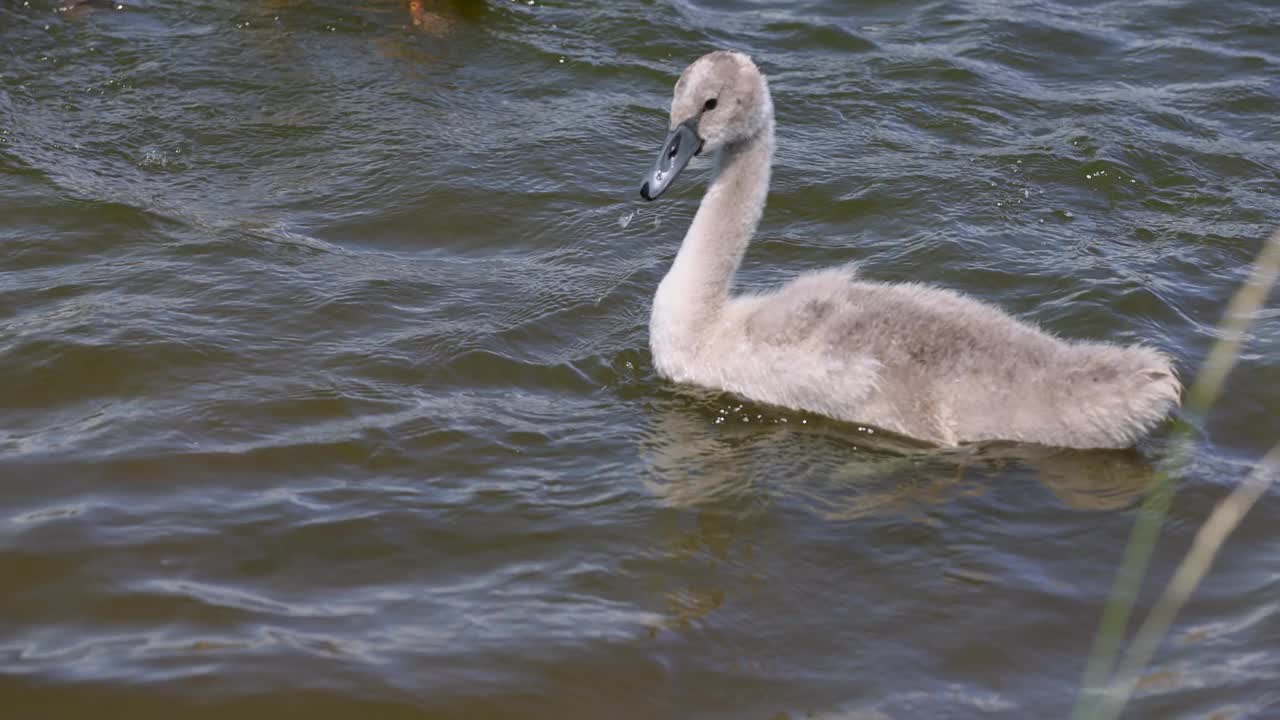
column 1240, row 312
column 1115, row 618
column 1224, row 519
column 1200, row 398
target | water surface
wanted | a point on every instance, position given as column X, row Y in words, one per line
column 327, row 390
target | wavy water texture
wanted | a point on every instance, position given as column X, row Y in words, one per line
column 327, row 388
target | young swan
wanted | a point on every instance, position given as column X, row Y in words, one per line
column 924, row 362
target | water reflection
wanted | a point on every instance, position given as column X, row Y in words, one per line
column 434, row 17
column 441, row 17
column 743, row 485
column 699, row 457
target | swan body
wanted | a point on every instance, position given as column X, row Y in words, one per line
column 921, row 361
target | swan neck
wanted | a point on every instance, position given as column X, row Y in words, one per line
column 703, row 271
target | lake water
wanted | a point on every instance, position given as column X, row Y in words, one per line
column 326, row 387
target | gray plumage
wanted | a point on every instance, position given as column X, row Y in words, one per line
column 924, row 362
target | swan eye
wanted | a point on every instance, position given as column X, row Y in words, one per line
column 709, row 105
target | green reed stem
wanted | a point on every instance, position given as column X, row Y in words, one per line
column 1201, row 397
column 1224, row 519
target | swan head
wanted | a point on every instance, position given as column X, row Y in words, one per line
column 719, row 100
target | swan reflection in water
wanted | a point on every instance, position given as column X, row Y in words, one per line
column 741, row 484
column 846, row 472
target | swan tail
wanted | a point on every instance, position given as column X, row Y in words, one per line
column 1116, row 395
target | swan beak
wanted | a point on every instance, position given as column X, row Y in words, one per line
column 682, row 144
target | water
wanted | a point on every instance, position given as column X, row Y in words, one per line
column 327, row 390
